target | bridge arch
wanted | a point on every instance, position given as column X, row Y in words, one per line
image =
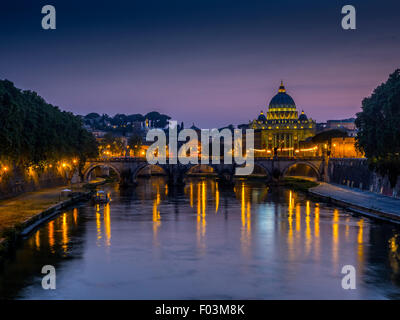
column 98, row 165
column 147, row 168
column 313, row 171
column 201, row 169
column 150, row 169
column 260, row 169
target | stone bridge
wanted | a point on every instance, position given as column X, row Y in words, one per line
column 127, row 169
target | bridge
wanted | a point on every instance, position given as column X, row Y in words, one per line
column 127, row 168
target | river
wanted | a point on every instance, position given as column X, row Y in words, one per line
column 203, row 241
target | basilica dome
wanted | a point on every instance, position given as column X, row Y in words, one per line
column 282, row 99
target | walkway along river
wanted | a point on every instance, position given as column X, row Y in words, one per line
column 206, row 242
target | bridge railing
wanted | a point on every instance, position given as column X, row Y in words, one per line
column 143, row 159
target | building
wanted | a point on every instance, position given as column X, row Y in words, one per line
column 282, row 129
column 347, row 125
column 345, row 148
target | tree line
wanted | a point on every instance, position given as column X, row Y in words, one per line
column 34, row 132
column 125, row 123
column 379, row 128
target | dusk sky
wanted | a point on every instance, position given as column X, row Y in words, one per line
column 208, row 62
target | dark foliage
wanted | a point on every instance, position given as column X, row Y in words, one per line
column 33, row 132
column 379, row 128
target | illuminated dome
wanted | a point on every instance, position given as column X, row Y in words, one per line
column 303, row 116
column 262, row 117
column 282, row 99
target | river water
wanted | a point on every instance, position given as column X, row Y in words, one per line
column 203, row 241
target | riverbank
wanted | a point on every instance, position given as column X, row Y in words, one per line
column 22, row 214
column 362, row 202
column 298, row 184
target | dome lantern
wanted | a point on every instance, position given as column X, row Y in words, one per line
column 282, row 88
column 282, row 100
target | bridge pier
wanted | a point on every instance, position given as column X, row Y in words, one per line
column 325, row 172
column 225, row 179
column 175, row 175
column 127, row 178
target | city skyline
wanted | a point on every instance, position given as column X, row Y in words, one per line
column 191, row 60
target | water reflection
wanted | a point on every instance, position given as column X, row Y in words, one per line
column 268, row 242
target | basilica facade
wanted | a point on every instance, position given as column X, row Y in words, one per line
column 281, row 131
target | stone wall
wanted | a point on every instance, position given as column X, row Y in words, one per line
column 355, row 173
column 18, row 181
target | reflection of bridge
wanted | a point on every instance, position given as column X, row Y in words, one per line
column 128, row 169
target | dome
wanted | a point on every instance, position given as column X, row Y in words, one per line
column 303, row 117
column 282, row 99
column 261, row 117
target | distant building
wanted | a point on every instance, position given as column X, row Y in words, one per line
column 321, row 127
column 347, row 125
column 282, row 129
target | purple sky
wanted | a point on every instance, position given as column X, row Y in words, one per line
column 211, row 62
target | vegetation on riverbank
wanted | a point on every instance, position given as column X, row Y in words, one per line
column 299, row 184
column 379, row 128
column 36, row 134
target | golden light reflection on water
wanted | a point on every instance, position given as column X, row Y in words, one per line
column 216, row 197
column 246, row 219
column 201, row 218
column 98, row 224
column 316, row 232
column 394, row 255
column 37, row 239
column 308, row 228
column 360, row 242
column 51, row 236
column 107, row 224
column 298, row 219
column 75, row 214
column 64, row 232
column 285, row 227
column 335, row 237
column 204, row 197
column 156, row 215
column 191, row 194
column 290, row 223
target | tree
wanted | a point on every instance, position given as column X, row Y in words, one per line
column 135, row 118
column 157, row 120
column 379, row 128
column 114, row 145
column 33, row 132
column 135, row 142
column 92, row 115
